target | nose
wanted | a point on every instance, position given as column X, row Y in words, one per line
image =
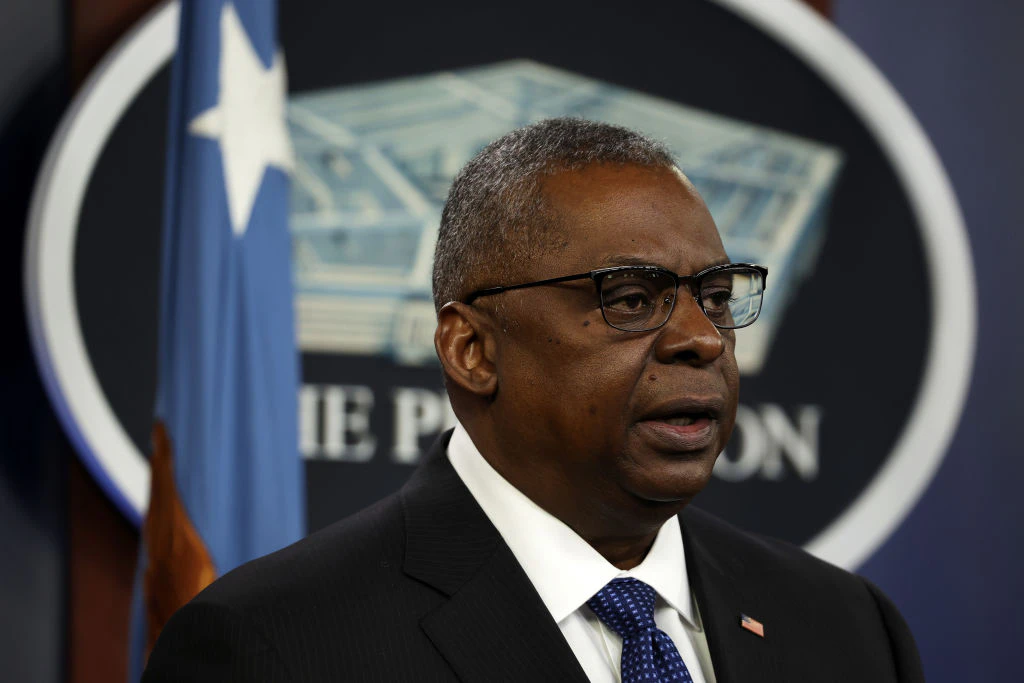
column 688, row 336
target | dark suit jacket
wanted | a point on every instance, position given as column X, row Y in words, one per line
column 421, row 587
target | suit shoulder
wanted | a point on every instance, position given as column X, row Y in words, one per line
column 844, row 614
column 756, row 553
column 358, row 549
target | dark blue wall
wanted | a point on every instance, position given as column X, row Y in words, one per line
column 955, row 565
column 32, row 465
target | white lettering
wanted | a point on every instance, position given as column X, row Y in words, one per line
column 309, row 418
column 344, row 413
column 751, row 455
column 334, row 424
column 418, row 412
column 798, row 443
column 770, row 439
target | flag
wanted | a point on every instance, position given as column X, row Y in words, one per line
column 227, row 480
column 752, row 625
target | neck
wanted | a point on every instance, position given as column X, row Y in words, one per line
column 624, row 553
column 617, row 524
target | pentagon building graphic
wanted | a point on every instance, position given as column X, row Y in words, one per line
column 374, row 162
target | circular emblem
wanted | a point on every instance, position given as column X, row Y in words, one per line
column 853, row 379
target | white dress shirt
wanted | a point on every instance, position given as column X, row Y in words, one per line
column 567, row 571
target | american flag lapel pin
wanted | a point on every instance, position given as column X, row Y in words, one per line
column 752, row 625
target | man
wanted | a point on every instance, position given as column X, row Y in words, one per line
column 586, row 317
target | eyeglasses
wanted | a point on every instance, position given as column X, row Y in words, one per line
column 641, row 298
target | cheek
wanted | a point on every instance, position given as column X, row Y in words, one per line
column 581, row 383
column 729, row 368
column 731, row 375
column 596, row 391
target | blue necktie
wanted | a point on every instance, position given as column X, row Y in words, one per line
column 626, row 606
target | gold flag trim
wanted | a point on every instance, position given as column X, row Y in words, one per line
column 178, row 562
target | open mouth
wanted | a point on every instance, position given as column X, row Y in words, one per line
column 680, row 433
column 686, row 419
column 683, row 425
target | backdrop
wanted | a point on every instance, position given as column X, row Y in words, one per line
column 953, row 566
column 371, row 401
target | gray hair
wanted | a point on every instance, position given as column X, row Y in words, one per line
column 496, row 217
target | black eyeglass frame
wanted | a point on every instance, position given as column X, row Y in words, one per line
column 598, row 275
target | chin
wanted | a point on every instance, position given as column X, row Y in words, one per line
column 676, row 482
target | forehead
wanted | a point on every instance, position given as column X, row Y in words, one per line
column 614, row 214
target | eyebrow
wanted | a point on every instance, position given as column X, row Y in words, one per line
column 630, row 260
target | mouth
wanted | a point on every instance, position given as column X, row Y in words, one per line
column 685, row 410
column 686, row 422
column 681, row 426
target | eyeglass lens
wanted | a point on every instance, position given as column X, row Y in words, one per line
column 638, row 300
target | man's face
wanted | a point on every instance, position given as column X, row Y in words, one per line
column 622, row 418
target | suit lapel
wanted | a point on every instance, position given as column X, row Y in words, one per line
column 494, row 626
column 723, row 594
column 497, row 629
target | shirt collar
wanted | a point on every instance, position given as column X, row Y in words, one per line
column 565, row 569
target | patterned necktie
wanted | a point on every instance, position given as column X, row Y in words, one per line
column 626, row 606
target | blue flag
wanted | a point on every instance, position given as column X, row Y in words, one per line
column 228, row 363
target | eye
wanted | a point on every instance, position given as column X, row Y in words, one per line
column 628, row 299
column 717, row 299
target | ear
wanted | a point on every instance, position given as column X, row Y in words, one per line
column 464, row 341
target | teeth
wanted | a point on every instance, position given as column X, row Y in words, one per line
column 683, row 421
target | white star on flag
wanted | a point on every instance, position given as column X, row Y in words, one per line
column 248, row 120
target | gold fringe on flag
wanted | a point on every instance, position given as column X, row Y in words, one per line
column 179, row 565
